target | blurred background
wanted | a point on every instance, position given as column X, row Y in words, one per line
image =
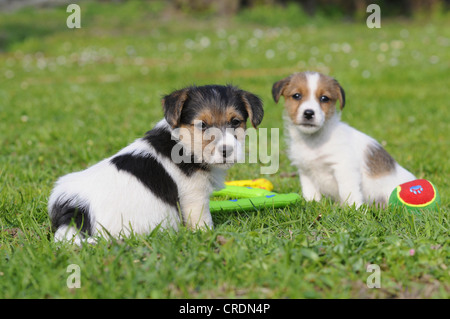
column 343, row 8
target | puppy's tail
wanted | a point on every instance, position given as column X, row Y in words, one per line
column 70, row 212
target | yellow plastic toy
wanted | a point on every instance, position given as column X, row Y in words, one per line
column 255, row 183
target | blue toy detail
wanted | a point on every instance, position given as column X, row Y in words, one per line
column 417, row 189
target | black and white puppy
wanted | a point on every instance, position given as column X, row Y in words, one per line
column 163, row 178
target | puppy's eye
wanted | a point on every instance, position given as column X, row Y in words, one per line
column 235, row 122
column 324, row 99
column 297, row 96
column 201, row 125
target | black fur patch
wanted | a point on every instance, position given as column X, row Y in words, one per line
column 150, row 173
column 211, row 96
column 66, row 212
column 161, row 140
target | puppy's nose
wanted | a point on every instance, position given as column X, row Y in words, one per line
column 227, row 150
column 308, row 114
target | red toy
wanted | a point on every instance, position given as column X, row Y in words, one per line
column 417, row 195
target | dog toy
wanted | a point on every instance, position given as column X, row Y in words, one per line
column 241, row 192
column 249, row 198
column 259, row 183
column 416, row 196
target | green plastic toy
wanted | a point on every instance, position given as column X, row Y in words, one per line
column 250, row 198
column 242, row 192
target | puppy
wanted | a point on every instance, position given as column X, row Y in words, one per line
column 163, row 178
column 333, row 159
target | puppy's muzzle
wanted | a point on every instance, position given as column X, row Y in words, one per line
column 308, row 114
column 227, row 151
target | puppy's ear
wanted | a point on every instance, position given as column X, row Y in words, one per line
column 341, row 94
column 278, row 88
column 254, row 107
column 173, row 104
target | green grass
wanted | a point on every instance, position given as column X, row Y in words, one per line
column 69, row 98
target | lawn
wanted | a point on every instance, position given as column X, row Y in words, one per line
column 71, row 97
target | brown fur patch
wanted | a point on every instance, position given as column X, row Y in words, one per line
column 239, row 132
column 378, row 161
column 249, row 110
column 330, row 85
column 327, row 86
column 220, row 118
column 298, row 84
column 278, row 88
column 232, row 113
column 172, row 105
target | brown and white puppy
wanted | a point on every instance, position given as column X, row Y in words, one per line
column 163, row 178
column 333, row 159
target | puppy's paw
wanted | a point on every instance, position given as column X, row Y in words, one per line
column 312, row 197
